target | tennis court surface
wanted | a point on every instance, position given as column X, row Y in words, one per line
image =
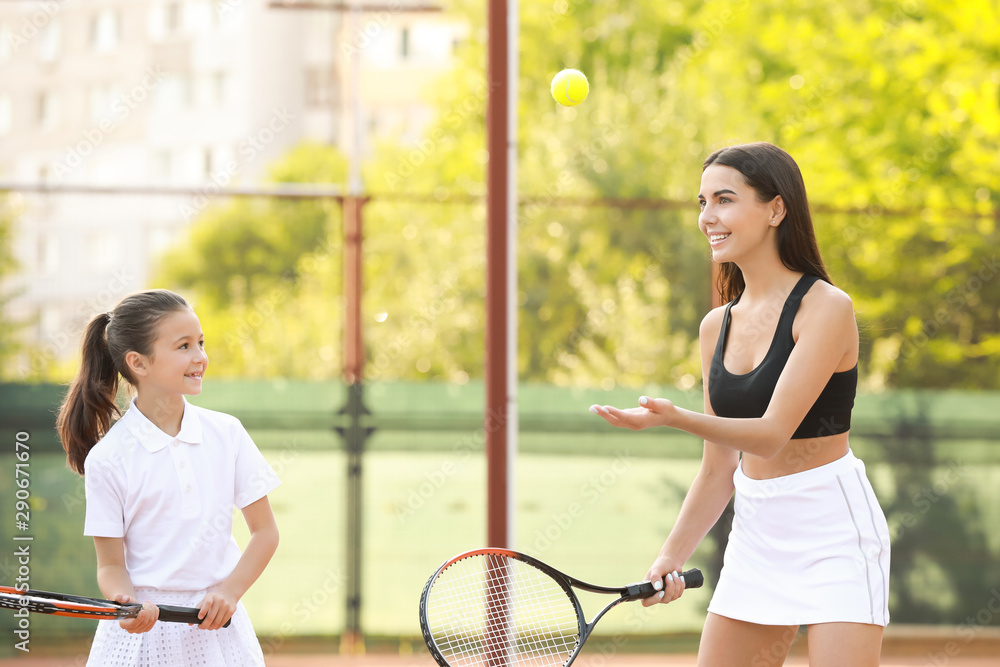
column 625, row 660
column 903, row 646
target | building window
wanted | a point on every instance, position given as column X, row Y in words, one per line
column 166, row 20
column 48, row 253
column 160, row 240
column 404, row 43
column 201, row 16
column 174, row 93
column 319, row 87
column 6, row 114
column 47, row 110
column 104, row 31
column 5, row 42
column 48, row 47
column 48, row 321
column 220, row 88
column 103, row 251
column 174, row 17
column 99, row 101
column 162, row 166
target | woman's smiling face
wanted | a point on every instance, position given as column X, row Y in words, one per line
column 732, row 217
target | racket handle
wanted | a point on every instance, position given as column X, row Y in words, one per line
column 170, row 614
column 693, row 578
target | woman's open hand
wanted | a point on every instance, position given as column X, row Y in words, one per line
column 651, row 412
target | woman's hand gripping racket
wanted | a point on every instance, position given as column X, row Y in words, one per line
column 501, row 608
column 58, row 604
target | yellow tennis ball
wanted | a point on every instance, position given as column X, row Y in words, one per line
column 570, row 87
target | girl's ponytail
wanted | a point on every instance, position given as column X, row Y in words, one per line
column 89, row 408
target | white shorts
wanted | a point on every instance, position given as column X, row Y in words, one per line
column 811, row 547
column 177, row 644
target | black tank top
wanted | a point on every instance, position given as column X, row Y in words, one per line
column 747, row 396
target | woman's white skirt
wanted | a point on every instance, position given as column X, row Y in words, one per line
column 811, row 547
column 177, row 644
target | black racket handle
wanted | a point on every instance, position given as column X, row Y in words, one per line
column 169, row 614
column 693, row 578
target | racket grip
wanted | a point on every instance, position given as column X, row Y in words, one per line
column 693, row 578
column 170, row 614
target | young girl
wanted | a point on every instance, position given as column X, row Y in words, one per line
column 809, row 544
column 161, row 484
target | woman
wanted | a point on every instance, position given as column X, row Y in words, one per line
column 809, row 544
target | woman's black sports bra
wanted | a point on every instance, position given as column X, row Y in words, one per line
column 747, row 396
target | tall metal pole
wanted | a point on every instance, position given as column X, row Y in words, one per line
column 501, row 277
column 513, row 22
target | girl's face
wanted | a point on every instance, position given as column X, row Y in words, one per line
column 732, row 218
column 178, row 360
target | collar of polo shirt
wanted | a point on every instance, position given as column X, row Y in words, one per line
column 152, row 438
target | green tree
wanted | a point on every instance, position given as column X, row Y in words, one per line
column 891, row 111
column 10, row 342
column 254, row 269
column 243, row 249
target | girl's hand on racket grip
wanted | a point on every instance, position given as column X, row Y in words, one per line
column 144, row 622
column 216, row 609
column 665, row 573
column 651, row 412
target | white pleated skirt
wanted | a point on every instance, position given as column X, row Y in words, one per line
column 811, row 547
column 177, row 644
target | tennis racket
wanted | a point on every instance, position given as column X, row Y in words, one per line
column 501, row 608
column 58, row 604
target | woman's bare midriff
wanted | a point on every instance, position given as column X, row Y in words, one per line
column 797, row 456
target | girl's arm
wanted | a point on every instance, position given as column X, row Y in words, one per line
column 825, row 337
column 709, row 493
column 115, row 584
column 220, row 604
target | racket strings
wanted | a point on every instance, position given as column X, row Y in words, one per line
column 493, row 611
column 40, row 602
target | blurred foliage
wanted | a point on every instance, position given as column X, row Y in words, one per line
column 892, row 111
column 10, row 341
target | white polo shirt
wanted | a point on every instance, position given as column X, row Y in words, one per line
column 172, row 498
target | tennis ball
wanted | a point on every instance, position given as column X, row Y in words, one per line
column 570, row 87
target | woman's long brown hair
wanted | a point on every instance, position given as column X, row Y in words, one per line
column 770, row 171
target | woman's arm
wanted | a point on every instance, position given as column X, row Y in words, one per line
column 220, row 604
column 709, row 493
column 825, row 336
column 115, row 584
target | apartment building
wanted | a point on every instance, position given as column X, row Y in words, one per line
column 183, row 93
